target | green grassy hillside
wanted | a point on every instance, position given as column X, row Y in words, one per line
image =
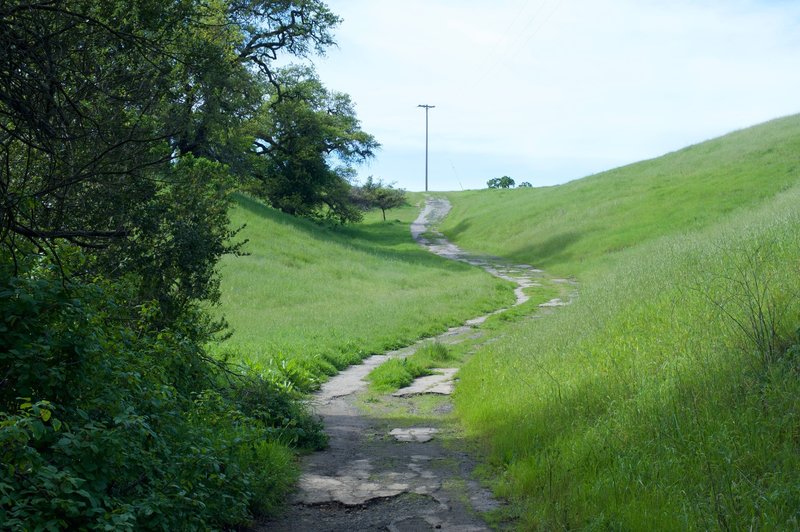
column 308, row 300
column 668, row 395
column 566, row 229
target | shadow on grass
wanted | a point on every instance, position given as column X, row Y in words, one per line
column 553, row 250
column 388, row 240
column 461, row 227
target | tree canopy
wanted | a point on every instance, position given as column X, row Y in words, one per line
column 500, row 182
column 124, row 126
column 375, row 194
column 309, row 139
column 99, row 100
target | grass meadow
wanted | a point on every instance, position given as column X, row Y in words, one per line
column 309, row 300
column 667, row 396
column 566, row 229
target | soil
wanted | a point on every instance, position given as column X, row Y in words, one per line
column 376, row 475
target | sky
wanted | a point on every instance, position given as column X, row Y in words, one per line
column 547, row 91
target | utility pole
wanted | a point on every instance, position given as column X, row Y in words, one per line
column 426, row 107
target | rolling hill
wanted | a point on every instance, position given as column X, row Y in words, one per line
column 667, row 396
column 568, row 228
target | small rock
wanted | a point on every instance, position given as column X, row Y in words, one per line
column 414, row 434
column 553, row 303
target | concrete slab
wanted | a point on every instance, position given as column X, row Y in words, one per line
column 441, row 383
column 553, row 303
column 417, row 434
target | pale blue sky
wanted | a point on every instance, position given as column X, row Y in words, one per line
column 551, row 90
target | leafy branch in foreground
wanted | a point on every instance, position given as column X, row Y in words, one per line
column 123, row 130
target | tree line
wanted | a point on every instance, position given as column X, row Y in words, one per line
column 124, row 128
column 506, row 182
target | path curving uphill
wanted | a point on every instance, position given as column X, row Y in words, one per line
column 376, row 477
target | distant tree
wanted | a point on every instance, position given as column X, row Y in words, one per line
column 525, row 184
column 500, row 182
column 378, row 195
column 387, row 197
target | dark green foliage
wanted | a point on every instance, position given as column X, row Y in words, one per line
column 525, row 184
column 123, row 131
column 108, row 421
column 308, row 139
column 500, row 182
column 97, row 98
column 184, row 232
column 84, row 110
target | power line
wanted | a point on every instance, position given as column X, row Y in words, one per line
column 456, row 173
column 505, row 35
column 513, row 47
column 540, row 26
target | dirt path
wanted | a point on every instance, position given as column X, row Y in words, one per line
column 379, row 473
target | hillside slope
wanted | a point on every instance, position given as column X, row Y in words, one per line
column 666, row 397
column 308, row 300
column 567, row 228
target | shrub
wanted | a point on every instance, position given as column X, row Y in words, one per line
column 107, row 421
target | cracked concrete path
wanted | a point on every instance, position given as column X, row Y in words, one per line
column 441, row 382
column 374, row 476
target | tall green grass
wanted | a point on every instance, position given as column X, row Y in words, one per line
column 398, row 373
column 667, row 396
column 566, row 229
column 308, row 300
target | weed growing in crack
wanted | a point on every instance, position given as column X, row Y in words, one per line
column 398, row 373
column 394, row 374
column 432, row 353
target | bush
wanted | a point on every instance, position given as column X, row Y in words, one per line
column 500, row 182
column 107, row 421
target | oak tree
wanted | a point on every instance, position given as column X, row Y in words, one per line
column 309, row 140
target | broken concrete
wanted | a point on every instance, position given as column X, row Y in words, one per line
column 358, row 482
column 557, row 302
column 417, row 434
column 365, row 479
column 441, row 382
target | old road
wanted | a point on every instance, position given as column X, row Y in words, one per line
column 375, row 476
